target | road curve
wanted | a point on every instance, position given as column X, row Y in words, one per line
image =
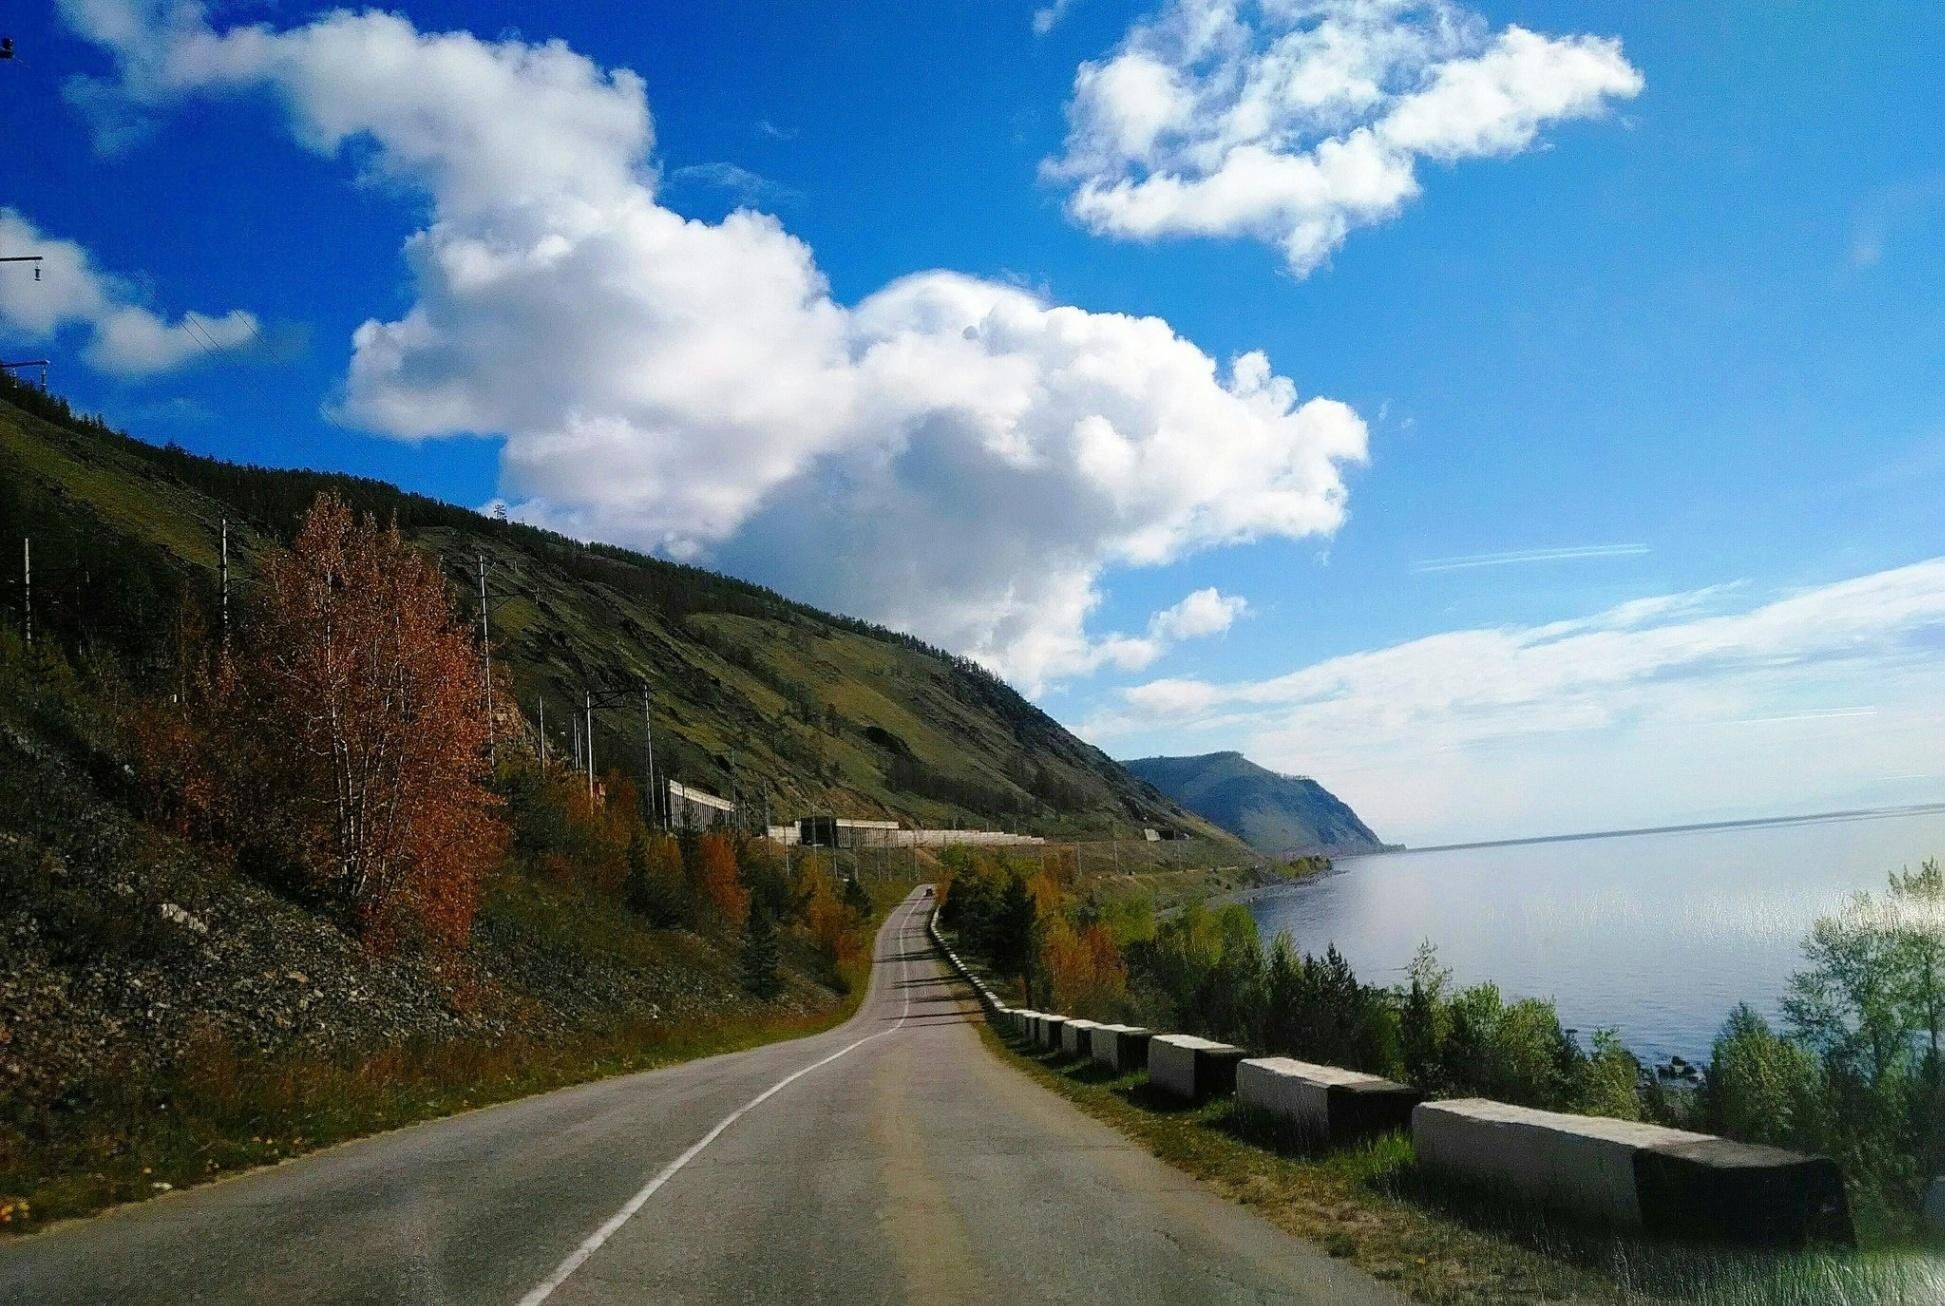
column 890, row 1159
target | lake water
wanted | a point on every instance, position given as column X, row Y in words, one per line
column 1657, row 934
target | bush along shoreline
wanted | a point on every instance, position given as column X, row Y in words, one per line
column 1855, row 1072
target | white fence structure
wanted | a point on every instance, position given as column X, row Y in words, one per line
column 692, row 808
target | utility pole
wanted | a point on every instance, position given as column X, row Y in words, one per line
column 543, row 734
column 27, row 583
column 575, row 721
column 610, row 697
column 223, row 570
column 648, row 727
column 486, row 664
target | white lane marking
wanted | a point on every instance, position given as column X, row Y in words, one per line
column 579, row 1257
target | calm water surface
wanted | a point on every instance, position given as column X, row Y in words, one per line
column 1656, row 934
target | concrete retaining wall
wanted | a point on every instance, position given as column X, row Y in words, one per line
column 1323, row 1104
column 1627, row 1175
column 1190, row 1067
column 1121, row 1047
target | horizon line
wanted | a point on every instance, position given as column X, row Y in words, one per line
column 1852, row 813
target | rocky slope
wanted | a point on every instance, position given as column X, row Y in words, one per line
column 121, row 945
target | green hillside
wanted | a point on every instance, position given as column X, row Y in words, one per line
column 814, row 712
column 1271, row 813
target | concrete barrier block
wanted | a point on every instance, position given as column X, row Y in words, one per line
column 1190, row 1067
column 1026, row 1022
column 1740, row 1192
column 1121, row 1047
column 1075, row 1038
column 1580, row 1164
column 1324, row 1104
column 1627, row 1175
column 1050, row 1026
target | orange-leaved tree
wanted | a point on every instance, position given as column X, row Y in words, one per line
column 1084, row 969
column 833, row 924
column 723, row 896
column 364, row 686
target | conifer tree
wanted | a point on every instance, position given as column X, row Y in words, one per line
column 761, row 956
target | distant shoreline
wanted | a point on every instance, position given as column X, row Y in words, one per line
column 1853, row 814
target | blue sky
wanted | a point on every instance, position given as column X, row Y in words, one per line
column 1673, row 336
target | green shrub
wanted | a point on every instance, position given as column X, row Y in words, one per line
column 1761, row 1087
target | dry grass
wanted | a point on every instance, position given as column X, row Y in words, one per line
column 126, row 1140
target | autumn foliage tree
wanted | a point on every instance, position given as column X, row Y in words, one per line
column 654, row 888
column 722, row 895
column 1085, row 973
column 361, row 689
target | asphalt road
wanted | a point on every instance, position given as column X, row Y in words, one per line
column 891, row 1159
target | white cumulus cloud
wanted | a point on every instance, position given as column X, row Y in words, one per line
column 1297, row 121
column 1205, row 612
column 954, row 456
column 124, row 338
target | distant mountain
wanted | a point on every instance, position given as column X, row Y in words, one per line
column 1270, row 812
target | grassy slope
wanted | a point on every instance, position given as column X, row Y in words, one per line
column 814, row 709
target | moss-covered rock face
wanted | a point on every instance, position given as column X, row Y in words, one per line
column 799, row 711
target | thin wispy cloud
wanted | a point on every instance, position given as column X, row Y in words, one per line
column 1671, row 705
column 750, row 189
column 1048, row 18
column 1820, row 714
column 1893, row 212
column 1518, row 557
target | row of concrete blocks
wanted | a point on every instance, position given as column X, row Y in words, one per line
column 987, row 998
column 1614, row 1173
